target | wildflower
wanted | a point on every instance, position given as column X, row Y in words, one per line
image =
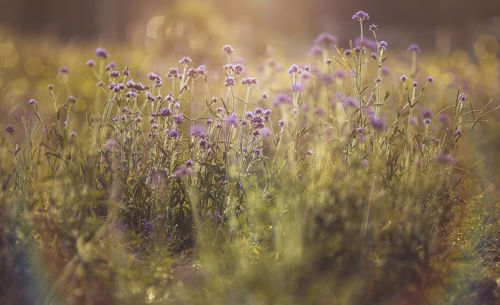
column 462, row 97
column 110, row 144
column 173, row 133
column 377, row 123
column 348, row 52
column 444, row 119
column 281, row 123
column 178, row 118
column 90, row 63
column 415, row 84
column 229, row 81
column 386, row 70
column 403, row 77
column 430, row 79
column 293, row 69
column 427, row 121
column 309, row 152
column 165, row 111
column 414, row 48
column 413, row 121
column 72, row 134
column 198, row 131
column 232, row 120
column 325, row 40
column 378, row 80
column 201, row 70
column 152, row 76
column 382, row 45
column 373, row 27
column 189, row 163
column 249, row 81
column 374, row 55
column 131, row 94
column 351, row 102
column 265, row 95
column 265, row 132
column 426, row 113
column 445, row 159
column 114, row 73
column 10, row 129
column 32, row 102
column 100, row 52
column 365, row 43
column 281, row 99
column 173, row 72
column 186, row 60
column 459, row 132
column 110, row 66
column 209, row 121
column 228, row 49
column 297, row 88
column 360, row 16
column 183, row 171
column 71, row 99
column 126, row 72
column 50, row 87
column 138, row 119
column 64, row 70
column 316, row 50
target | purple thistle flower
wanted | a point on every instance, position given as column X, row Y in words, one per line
column 459, row 132
column 209, row 121
column 198, row 131
column 377, row 123
column 229, row 81
column 173, row 72
column 173, row 133
column 183, row 171
column 232, row 120
column 414, row 48
column 360, row 16
column 110, row 66
column 249, row 81
column 316, row 50
column 100, row 52
column 186, row 60
column 64, row 70
column 403, row 77
column 152, row 76
column 415, row 84
column 293, row 69
column 10, row 129
column 110, row 144
column 228, row 49
column 325, row 40
column 178, row 118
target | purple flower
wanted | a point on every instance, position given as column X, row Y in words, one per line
column 293, row 69
column 309, row 152
column 138, row 119
column 325, row 40
column 378, row 80
column 415, row 84
column 229, row 81
column 114, row 73
column 462, row 97
column 414, row 48
column 228, row 49
column 403, row 77
column 71, row 99
column 386, row 70
column 249, row 81
column 198, row 131
column 90, row 63
column 445, row 159
column 427, row 121
column 358, row 43
column 444, row 119
column 152, row 76
column 316, row 50
column 348, row 52
column 32, row 102
column 186, row 60
column 110, row 144
column 360, row 16
column 64, row 70
column 183, row 171
column 165, row 112
column 351, row 102
column 373, row 27
column 382, row 45
column 173, row 133
column 426, row 113
column 178, row 118
column 281, row 99
column 430, row 79
column 173, row 72
column 265, row 132
column 100, row 52
column 10, row 129
column 377, row 123
column 72, row 134
column 232, row 120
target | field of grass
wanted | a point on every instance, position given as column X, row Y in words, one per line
column 355, row 174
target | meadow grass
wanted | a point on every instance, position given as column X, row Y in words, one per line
column 332, row 181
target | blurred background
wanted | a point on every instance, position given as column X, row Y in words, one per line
column 439, row 24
